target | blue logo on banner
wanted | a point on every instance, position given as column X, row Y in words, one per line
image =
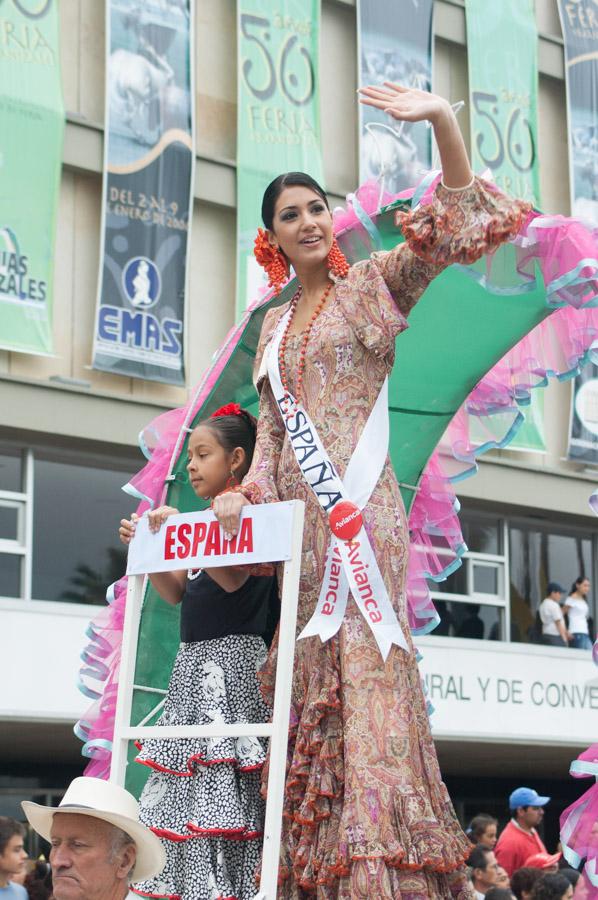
column 141, row 282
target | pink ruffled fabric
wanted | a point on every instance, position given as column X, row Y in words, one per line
column 579, row 822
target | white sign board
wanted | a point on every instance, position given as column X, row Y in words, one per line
column 196, row 541
column 505, row 693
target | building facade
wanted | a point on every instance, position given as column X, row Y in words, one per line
column 507, row 712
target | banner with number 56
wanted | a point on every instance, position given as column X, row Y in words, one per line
column 278, row 114
column 502, row 54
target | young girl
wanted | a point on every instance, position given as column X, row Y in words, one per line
column 203, row 796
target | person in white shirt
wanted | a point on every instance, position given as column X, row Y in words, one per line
column 551, row 616
column 578, row 610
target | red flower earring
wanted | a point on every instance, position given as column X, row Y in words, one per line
column 272, row 260
column 337, row 261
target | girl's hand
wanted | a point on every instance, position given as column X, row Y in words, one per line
column 157, row 517
column 406, row 104
column 126, row 532
column 227, row 509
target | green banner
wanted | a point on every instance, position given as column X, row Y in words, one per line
column 31, row 129
column 278, row 122
column 502, row 48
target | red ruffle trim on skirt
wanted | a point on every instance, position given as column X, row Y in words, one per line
column 196, row 759
column 315, row 789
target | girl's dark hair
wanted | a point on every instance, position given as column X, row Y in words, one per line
column 577, row 582
column 524, row 879
column 276, row 187
column 234, row 431
column 497, row 893
column 479, row 824
column 550, row 887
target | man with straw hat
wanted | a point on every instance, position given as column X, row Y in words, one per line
column 98, row 843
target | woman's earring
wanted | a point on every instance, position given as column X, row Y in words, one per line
column 232, row 481
column 337, row 261
column 272, row 260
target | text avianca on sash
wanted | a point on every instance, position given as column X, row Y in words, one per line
column 351, row 563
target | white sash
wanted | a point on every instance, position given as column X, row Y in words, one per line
column 351, row 564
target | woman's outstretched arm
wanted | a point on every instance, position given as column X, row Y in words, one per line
column 412, row 105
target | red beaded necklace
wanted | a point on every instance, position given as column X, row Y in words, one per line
column 283, row 343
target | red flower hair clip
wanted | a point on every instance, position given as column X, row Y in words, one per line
column 230, row 409
column 272, row 260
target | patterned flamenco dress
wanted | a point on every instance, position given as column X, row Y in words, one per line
column 366, row 814
column 202, row 798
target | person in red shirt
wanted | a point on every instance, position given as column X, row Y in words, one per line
column 520, row 840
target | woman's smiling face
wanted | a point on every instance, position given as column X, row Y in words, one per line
column 302, row 226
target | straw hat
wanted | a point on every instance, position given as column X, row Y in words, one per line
column 106, row 801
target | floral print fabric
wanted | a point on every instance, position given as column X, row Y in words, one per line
column 366, row 813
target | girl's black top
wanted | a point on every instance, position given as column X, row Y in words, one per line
column 208, row 611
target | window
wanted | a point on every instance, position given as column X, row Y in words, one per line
column 15, row 512
column 59, row 517
column 495, row 593
column 539, row 554
column 11, row 477
column 472, row 602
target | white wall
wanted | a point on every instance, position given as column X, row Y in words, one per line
column 509, row 693
column 39, row 660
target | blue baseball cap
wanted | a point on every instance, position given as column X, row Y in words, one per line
column 524, row 796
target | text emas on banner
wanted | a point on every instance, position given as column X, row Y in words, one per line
column 278, row 114
column 147, row 190
column 196, row 540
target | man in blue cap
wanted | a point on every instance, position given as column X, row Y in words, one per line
column 520, row 839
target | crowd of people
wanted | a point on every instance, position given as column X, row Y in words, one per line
column 99, row 847
column 516, row 864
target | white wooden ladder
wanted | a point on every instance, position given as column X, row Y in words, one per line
column 277, row 730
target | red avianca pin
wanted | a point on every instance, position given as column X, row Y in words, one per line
column 345, row 520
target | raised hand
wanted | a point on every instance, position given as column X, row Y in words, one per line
column 407, row 104
column 410, row 104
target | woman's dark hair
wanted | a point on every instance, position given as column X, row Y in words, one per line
column 478, row 826
column 524, row 879
column 577, row 582
column 550, row 887
column 234, row 431
column 38, row 883
column 276, row 187
column 497, row 893
column 572, row 875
